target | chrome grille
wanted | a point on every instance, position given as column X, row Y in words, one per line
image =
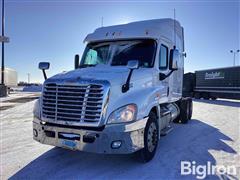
column 73, row 103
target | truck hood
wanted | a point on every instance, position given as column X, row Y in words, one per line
column 114, row 74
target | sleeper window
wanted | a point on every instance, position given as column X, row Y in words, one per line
column 163, row 57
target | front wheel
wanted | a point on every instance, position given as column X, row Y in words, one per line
column 151, row 137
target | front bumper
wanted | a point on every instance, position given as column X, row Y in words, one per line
column 130, row 135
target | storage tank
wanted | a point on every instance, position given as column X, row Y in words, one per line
column 10, row 77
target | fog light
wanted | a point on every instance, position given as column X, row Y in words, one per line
column 35, row 133
column 43, row 122
column 116, row 144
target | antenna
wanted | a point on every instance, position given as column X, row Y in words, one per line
column 174, row 30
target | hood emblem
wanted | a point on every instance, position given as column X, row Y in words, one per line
column 73, row 80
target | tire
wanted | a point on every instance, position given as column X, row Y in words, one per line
column 184, row 111
column 190, row 106
column 214, row 98
column 206, row 96
column 197, row 95
column 151, row 134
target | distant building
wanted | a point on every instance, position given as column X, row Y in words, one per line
column 10, row 77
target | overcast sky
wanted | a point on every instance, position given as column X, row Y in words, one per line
column 53, row 31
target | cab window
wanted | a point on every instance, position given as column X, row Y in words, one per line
column 143, row 51
column 95, row 55
column 163, row 57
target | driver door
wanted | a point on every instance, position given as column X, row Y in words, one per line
column 163, row 63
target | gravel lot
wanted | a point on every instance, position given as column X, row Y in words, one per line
column 212, row 135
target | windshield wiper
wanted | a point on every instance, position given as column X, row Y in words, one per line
column 86, row 65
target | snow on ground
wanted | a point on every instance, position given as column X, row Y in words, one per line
column 212, row 135
column 17, row 98
column 32, row 88
column 20, row 92
column 16, row 95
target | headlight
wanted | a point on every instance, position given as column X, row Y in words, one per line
column 36, row 109
column 124, row 114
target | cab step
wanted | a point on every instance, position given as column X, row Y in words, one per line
column 166, row 130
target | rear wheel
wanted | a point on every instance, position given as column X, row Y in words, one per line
column 151, row 134
column 213, row 98
column 184, row 111
column 190, row 106
column 197, row 95
column 186, row 107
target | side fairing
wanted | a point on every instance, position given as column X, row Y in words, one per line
column 176, row 79
column 175, row 82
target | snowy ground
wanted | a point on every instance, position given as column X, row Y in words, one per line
column 17, row 98
column 212, row 135
column 16, row 95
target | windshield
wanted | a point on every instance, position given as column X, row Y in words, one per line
column 118, row 53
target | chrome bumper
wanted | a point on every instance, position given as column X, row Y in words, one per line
column 130, row 135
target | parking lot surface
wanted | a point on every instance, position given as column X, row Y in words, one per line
column 211, row 136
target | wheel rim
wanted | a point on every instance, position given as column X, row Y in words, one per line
column 152, row 137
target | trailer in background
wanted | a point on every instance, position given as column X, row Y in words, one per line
column 213, row 83
column 10, row 77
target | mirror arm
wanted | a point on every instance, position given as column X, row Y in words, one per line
column 164, row 76
column 44, row 74
column 169, row 73
column 126, row 86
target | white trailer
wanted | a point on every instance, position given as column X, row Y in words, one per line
column 10, row 77
column 124, row 94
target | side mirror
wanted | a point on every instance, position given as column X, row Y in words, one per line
column 133, row 64
column 44, row 66
column 174, row 58
column 76, row 61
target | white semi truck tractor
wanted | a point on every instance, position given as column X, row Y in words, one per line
column 123, row 94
